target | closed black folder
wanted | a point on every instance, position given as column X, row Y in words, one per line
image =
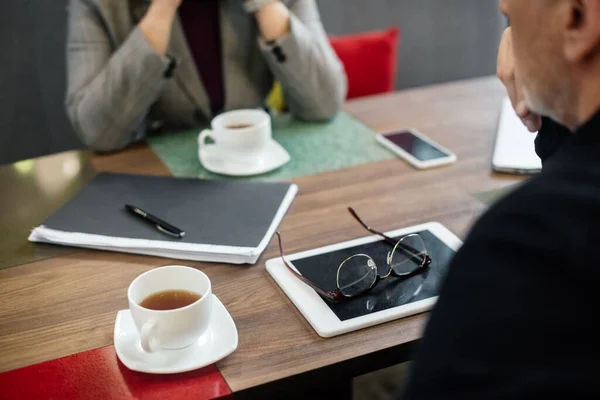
column 227, row 221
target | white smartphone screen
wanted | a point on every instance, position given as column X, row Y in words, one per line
column 415, row 146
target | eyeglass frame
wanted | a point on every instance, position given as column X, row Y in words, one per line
column 337, row 295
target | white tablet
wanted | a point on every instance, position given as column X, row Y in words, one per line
column 514, row 151
column 391, row 299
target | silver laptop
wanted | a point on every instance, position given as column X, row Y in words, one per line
column 514, row 151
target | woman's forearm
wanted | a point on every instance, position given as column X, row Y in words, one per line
column 312, row 76
column 157, row 24
column 273, row 21
column 108, row 98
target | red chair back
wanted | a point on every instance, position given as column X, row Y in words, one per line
column 370, row 60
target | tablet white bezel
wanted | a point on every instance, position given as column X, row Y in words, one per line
column 320, row 316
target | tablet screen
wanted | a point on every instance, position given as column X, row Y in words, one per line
column 389, row 293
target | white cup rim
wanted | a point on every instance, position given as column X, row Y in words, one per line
column 139, row 277
column 218, row 125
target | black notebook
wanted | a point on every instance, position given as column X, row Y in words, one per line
column 224, row 221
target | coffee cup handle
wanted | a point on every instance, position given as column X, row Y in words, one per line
column 205, row 134
column 150, row 343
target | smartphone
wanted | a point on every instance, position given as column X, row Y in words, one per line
column 416, row 148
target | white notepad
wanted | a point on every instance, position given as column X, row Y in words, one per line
column 514, row 151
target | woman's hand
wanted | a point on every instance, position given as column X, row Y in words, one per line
column 273, row 21
column 156, row 24
column 507, row 73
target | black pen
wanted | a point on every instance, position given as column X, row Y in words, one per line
column 161, row 225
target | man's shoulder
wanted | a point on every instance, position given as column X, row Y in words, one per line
column 560, row 206
column 523, row 276
column 570, row 189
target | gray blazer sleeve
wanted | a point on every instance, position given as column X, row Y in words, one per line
column 109, row 91
column 313, row 78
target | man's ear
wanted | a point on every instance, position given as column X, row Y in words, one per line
column 582, row 33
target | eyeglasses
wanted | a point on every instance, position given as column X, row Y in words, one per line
column 358, row 274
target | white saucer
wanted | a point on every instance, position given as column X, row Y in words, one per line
column 219, row 341
column 273, row 157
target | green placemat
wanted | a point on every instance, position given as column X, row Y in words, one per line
column 314, row 148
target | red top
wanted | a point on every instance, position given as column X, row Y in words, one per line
column 202, row 28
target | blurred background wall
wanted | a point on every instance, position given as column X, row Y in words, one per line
column 441, row 40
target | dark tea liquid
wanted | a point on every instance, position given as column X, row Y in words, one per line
column 239, row 126
column 170, row 300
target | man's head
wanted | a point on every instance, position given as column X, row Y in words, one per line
column 556, row 45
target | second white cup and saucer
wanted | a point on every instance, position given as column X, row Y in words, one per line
column 242, row 145
column 166, row 341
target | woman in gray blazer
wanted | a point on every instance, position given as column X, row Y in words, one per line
column 137, row 66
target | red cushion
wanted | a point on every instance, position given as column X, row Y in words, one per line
column 370, row 60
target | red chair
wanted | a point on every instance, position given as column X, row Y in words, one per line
column 370, row 60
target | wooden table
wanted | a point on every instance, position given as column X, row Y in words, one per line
column 55, row 302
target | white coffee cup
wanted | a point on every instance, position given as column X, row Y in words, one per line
column 170, row 329
column 240, row 135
